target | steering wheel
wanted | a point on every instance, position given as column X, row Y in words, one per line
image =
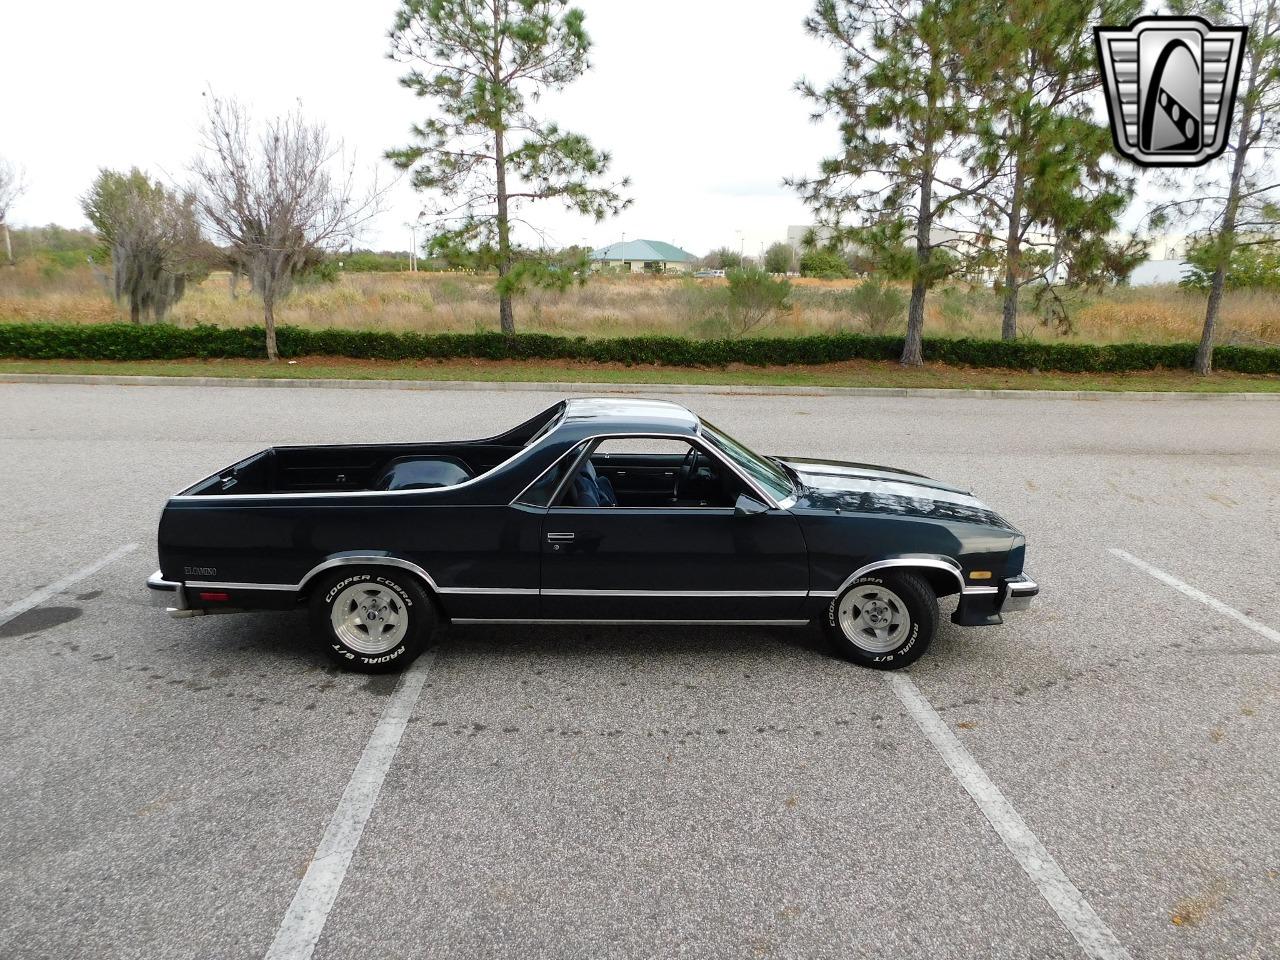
column 686, row 470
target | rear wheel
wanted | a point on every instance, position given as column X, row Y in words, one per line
column 372, row 620
column 883, row 622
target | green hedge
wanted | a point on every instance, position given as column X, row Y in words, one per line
column 37, row 341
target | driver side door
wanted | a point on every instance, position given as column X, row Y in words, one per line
column 655, row 558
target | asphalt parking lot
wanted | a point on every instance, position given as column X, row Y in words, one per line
column 676, row 792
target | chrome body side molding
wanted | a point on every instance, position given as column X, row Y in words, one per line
column 697, row 623
column 228, row 585
column 555, row 592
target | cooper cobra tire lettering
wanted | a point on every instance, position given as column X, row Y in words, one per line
column 343, row 584
column 417, row 606
column 922, row 606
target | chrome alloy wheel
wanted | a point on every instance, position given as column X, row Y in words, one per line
column 874, row 618
column 369, row 618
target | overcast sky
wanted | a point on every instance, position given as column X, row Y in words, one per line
column 694, row 100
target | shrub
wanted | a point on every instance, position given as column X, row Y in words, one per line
column 823, row 264
column 326, row 271
column 779, row 258
column 878, row 305
column 367, row 261
column 40, row 341
column 1252, row 267
column 755, row 299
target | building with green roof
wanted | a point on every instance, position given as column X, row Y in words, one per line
column 643, row 256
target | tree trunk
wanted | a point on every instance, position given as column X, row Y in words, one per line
column 135, row 310
column 1204, row 353
column 8, row 247
column 269, row 316
column 1226, row 241
column 506, row 311
column 1012, row 259
column 912, row 348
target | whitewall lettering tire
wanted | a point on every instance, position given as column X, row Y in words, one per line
column 372, row 619
column 883, row 621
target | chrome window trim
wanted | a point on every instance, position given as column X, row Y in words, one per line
column 932, row 562
column 519, row 497
column 766, row 497
column 701, row 623
column 695, row 440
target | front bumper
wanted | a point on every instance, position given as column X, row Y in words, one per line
column 985, row 606
column 1018, row 594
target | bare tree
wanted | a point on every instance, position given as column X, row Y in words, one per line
column 11, row 187
column 279, row 194
column 153, row 236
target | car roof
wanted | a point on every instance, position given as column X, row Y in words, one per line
column 629, row 415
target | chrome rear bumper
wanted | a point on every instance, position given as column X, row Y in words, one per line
column 171, row 595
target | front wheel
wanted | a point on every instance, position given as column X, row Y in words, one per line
column 883, row 622
column 372, row 620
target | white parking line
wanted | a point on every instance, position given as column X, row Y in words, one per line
column 44, row 593
column 1190, row 591
column 306, row 916
column 1089, row 930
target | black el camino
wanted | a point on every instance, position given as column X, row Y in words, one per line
column 595, row 511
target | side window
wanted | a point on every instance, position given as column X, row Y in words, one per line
column 650, row 472
column 543, row 489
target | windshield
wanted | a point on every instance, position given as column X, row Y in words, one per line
column 764, row 472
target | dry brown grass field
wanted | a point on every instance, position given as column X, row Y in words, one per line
column 628, row 306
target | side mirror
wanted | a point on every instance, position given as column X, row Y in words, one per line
column 748, row 507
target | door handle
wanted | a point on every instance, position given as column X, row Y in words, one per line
column 556, row 537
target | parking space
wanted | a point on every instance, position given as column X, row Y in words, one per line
column 658, row 792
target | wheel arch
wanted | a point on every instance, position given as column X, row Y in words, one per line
column 943, row 574
column 362, row 559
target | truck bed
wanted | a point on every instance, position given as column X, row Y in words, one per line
column 340, row 469
column 343, row 468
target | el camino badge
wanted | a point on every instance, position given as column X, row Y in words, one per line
column 1171, row 88
column 200, row 571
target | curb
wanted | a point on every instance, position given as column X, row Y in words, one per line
column 645, row 388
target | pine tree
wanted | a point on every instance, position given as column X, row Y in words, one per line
column 1054, row 193
column 482, row 154
column 907, row 109
column 1237, row 195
